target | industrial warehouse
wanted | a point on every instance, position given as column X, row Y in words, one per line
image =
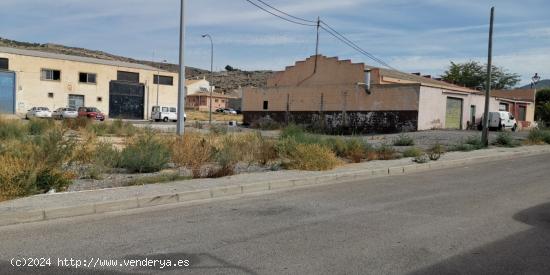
column 119, row 89
column 341, row 96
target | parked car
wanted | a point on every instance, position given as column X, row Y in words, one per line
column 38, row 112
column 230, row 111
column 91, row 112
column 161, row 113
column 63, row 113
column 500, row 121
column 220, row 110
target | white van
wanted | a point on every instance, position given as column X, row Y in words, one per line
column 161, row 113
column 502, row 120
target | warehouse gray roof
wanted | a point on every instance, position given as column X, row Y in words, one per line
column 77, row 58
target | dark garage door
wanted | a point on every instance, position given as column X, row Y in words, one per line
column 7, row 92
column 126, row 100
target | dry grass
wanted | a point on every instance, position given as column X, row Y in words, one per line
column 193, row 151
column 312, row 157
column 17, row 177
column 204, row 116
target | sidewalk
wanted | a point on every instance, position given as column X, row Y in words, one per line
column 62, row 205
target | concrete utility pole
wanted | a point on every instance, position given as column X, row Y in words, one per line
column 181, row 90
column 317, row 44
column 211, row 75
column 485, row 135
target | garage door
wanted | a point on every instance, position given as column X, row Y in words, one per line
column 453, row 117
column 126, row 100
column 7, row 92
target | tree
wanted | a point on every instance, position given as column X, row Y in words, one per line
column 229, row 68
column 542, row 112
column 473, row 75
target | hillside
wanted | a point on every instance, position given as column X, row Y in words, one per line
column 543, row 84
column 224, row 80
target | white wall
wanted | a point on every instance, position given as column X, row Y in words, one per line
column 433, row 107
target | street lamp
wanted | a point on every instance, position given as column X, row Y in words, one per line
column 211, row 73
column 180, row 128
column 158, row 80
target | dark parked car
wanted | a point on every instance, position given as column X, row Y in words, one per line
column 91, row 112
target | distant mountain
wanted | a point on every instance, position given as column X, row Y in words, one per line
column 543, row 84
column 224, row 80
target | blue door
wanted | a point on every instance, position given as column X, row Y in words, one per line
column 7, row 92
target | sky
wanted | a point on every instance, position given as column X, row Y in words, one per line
column 412, row 36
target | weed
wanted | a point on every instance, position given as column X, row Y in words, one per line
column 11, row 129
column 537, row 136
column 311, row 157
column 266, row 123
column 386, row 152
column 17, row 178
column 193, row 151
column 505, row 139
column 403, row 140
column 145, row 154
column 436, row 152
column 162, row 178
column 422, row 158
column 40, row 126
column 413, row 152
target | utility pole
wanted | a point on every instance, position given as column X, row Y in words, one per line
column 317, row 44
column 181, row 89
column 485, row 135
column 211, row 75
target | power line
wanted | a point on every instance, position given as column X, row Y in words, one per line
column 289, row 15
column 353, row 45
column 281, row 17
column 326, row 27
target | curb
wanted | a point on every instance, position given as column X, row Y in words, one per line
column 18, row 217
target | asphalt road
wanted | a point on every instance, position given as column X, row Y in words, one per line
column 491, row 218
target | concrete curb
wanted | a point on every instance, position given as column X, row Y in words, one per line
column 37, row 215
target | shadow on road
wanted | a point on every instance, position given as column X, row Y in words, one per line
column 527, row 252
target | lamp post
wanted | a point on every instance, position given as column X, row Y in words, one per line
column 211, row 74
column 158, row 81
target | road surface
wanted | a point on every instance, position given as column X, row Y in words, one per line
column 489, row 218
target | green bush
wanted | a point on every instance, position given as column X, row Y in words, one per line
column 356, row 149
column 403, row 140
column 413, row 152
column 266, row 123
column 11, row 129
column 117, row 128
column 539, row 136
column 505, row 139
column 337, row 145
column 436, row 152
column 471, row 143
column 40, row 126
column 145, row 154
column 386, row 152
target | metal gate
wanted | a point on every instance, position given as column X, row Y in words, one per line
column 7, row 92
column 453, row 117
column 126, row 100
column 76, row 101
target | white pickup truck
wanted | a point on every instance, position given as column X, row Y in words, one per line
column 502, row 120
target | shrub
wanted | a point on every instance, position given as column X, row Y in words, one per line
column 193, row 151
column 436, row 152
column 505, row 139
column 218, row 129
column 266, row 123
column 17, row 178
column 11, row 129
column 475, row 142
column 162, row 178
column 413, row 152
column 355, row 149
column 311, row 157
column 77, row 124
column 403, row 140
column 117, row 128
column 145, row 154
column 422, row 158
column 40, row 126
column 386, row 152
column 539, row 136
column 337, row 145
